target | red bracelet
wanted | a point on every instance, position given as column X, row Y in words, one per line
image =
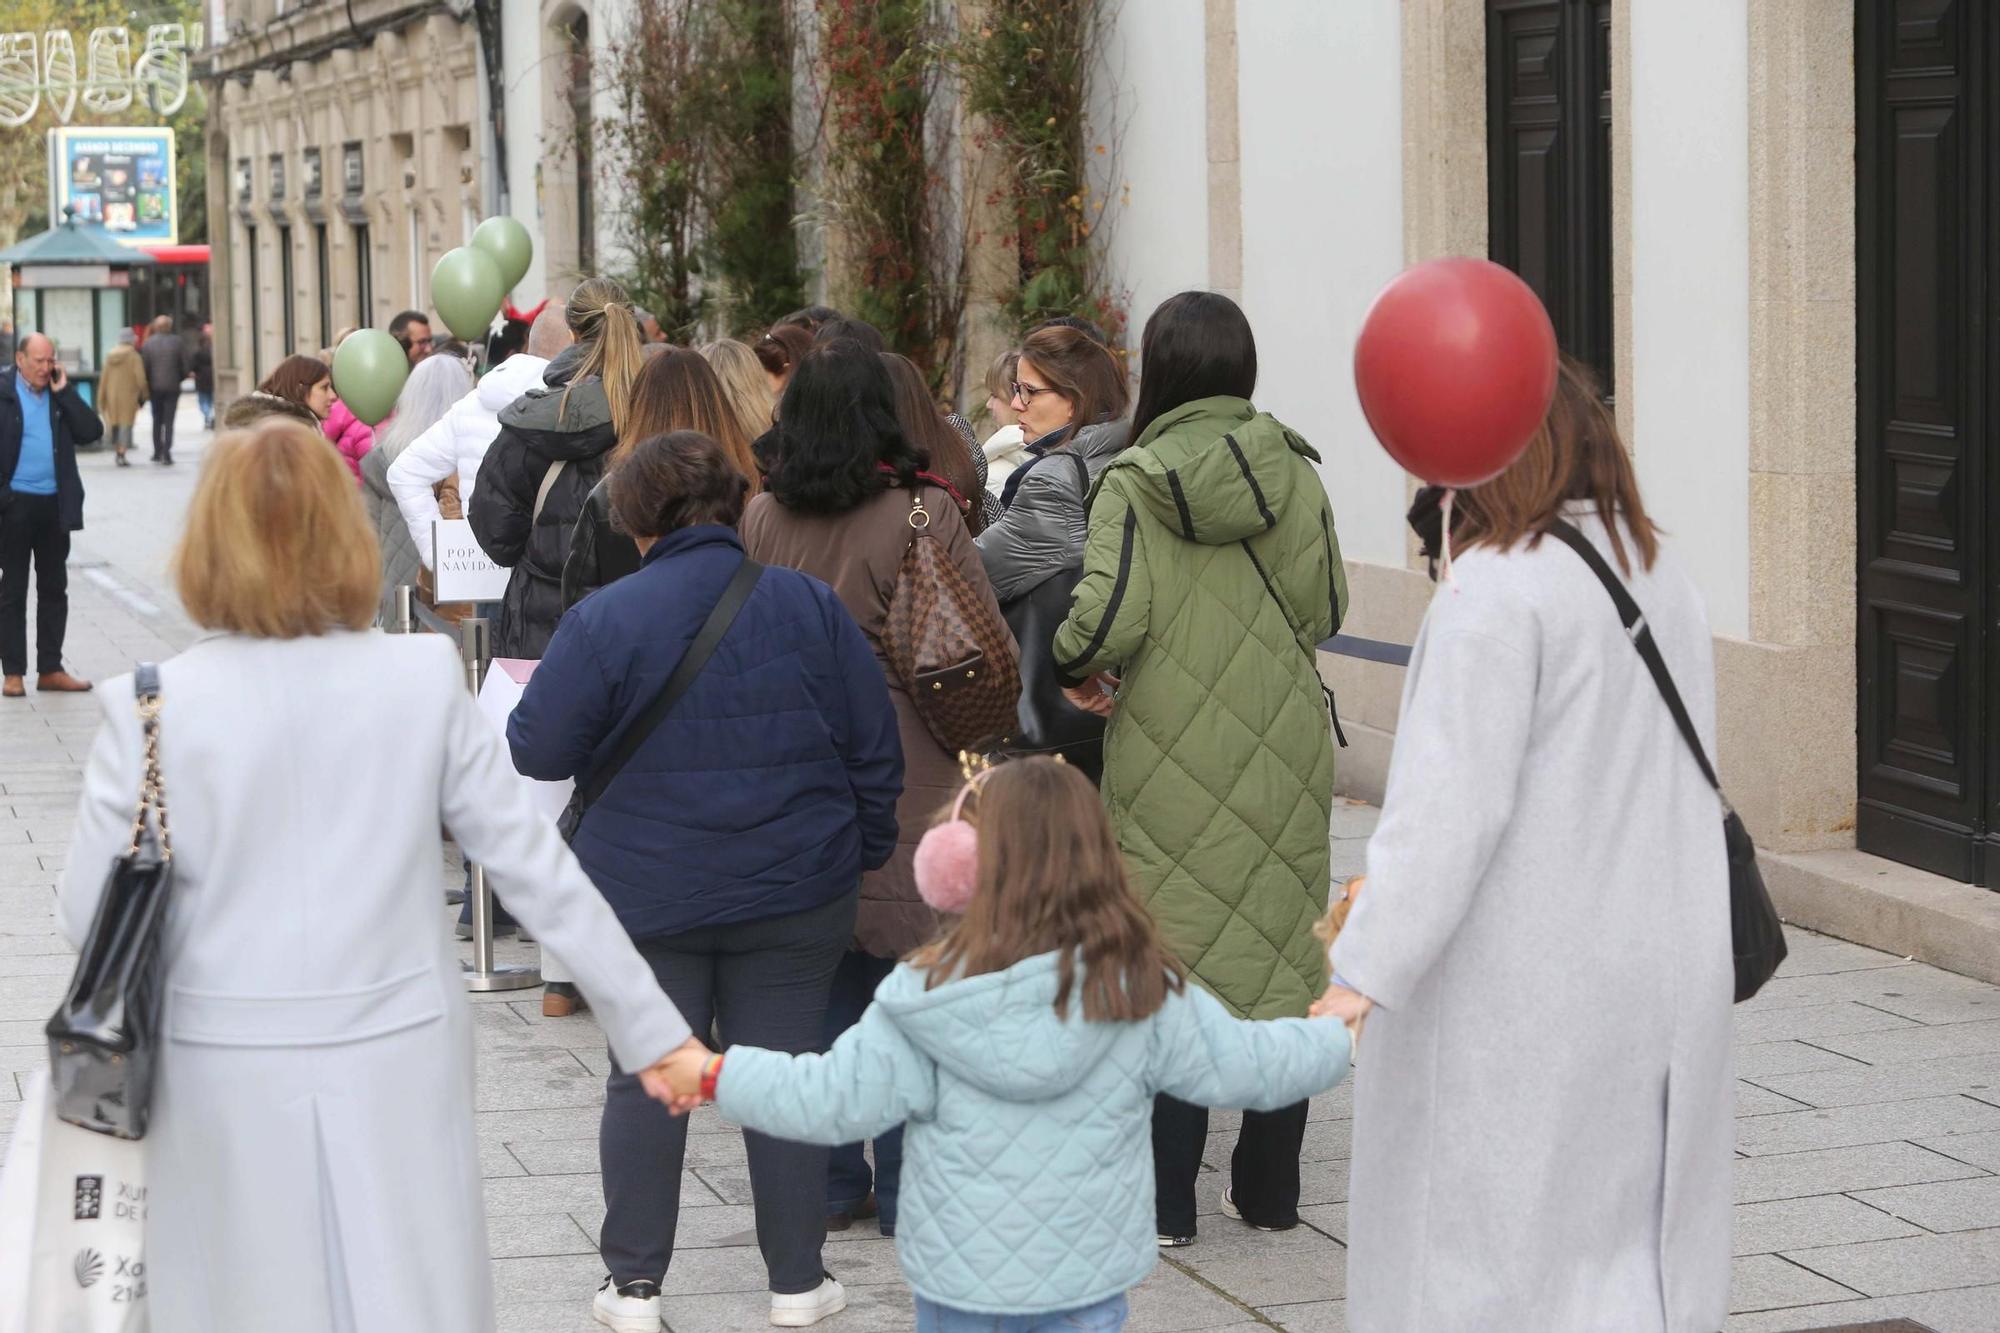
column 709, row 1073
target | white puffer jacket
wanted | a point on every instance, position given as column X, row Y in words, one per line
column 457, row 444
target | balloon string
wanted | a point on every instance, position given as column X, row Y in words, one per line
column 1444, row 512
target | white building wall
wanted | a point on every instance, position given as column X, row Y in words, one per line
column 520, row 58
column 1153, row 110
column 1322, row 231
column 1691, row 289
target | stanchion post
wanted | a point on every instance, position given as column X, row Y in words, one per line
column 405, row 616
column 476, row 652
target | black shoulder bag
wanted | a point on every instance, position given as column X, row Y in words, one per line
column 734, row 596
column 104, row 1036
column 1049, row 722
column 1757, row 936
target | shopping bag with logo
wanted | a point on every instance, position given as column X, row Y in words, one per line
column 80, row 1199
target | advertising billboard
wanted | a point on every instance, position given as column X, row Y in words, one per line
column 120, row 179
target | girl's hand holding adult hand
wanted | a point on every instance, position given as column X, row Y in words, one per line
column 675, row 1081
column 1349, row 1006
column 1094, row 695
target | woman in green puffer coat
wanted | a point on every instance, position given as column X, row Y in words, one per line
column 1210, row 574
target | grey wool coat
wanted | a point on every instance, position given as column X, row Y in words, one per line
column 311, row 1163
column 1542, row 1126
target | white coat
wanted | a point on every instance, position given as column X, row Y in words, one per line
column 1542, row 1124
column 311, row 1162
column 456, row 444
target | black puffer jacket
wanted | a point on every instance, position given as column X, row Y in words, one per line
column 537, row 431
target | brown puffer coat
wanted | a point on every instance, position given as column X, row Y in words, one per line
column 857, row 554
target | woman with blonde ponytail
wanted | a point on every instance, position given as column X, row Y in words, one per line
column 553, row 446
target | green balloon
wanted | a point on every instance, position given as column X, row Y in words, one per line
column 507, row 241
column 369, row 368
column 466, row 289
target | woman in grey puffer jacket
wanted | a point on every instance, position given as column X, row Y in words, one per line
column 429, row 392
column 1071, row 396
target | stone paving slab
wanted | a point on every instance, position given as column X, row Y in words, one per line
column 1868, row 1180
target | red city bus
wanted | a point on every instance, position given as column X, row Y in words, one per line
column 177, row 285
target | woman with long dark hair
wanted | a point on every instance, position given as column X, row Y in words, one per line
column 1543, row 805
column 931, row 432
column 838, row 506
column 678, row 390
column 1210, row 574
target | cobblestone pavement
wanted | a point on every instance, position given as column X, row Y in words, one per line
column 1868, row 1184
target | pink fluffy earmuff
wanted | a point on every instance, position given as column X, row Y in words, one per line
column 947, row 864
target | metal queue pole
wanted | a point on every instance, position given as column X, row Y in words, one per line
column 475, row 651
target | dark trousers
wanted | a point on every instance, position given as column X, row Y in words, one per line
column 848, row 1179
column 1263, row 1172
column 164, row 407
column 762, row 983
column 31, row 529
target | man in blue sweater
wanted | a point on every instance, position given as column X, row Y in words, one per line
column 42, row 420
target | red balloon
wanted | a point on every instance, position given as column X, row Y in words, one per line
column 1456, row 366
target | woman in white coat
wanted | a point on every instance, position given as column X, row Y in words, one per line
column 311, row 1160
column 1542, row 1131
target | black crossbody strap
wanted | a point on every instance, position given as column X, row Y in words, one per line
column 1641, row 635
column 731, row 603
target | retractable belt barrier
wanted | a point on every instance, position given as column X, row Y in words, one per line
column 475, row 651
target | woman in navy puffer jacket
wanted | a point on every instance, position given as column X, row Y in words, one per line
column 732, row 844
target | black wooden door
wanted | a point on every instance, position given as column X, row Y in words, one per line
column 1928, row 490
column 1548, row 161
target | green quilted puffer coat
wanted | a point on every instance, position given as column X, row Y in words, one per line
column 1211, row 572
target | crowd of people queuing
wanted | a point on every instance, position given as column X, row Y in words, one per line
column 987, row 1005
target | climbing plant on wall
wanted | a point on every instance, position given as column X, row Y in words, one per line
column 886, row 193
column 705, row 158
column 1028, row 73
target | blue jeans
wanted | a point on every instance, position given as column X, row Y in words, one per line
column 1103, row 1317
column 848, row 1179
column 207, row 401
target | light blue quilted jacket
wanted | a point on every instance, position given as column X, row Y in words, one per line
column 1027, row 1159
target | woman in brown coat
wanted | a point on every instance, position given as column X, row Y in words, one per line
column 837, row 506
column 121, row 388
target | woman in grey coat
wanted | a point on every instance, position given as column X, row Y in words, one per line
column 311, row 1163
column 432, row 388
column 1071, row 397
column 1542, row 951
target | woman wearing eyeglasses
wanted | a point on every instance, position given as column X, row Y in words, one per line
column 1069, row 393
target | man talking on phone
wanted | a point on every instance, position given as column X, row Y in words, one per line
column 42, row 420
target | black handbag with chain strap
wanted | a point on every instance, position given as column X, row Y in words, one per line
column 104, row 1037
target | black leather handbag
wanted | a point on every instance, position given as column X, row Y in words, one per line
column 1048, row 723
column 1757, row 937
column 104, row 1037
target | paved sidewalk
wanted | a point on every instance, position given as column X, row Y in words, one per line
column 1869, row 1100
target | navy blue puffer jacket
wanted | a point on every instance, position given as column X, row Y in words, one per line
column 772, row 785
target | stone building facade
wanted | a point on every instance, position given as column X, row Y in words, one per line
column 347, row 151
column 1809, row 396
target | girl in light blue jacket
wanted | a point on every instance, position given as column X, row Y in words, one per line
column 1022, row 1051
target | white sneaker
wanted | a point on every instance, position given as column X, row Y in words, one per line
column 808, row 1307
column 632, row 1308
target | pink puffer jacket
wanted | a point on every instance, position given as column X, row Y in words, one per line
column 349, row 436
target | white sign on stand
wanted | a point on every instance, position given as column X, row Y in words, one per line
column 464, row 574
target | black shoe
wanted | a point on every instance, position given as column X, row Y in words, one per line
column 843, row 1218
column 123, row 461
